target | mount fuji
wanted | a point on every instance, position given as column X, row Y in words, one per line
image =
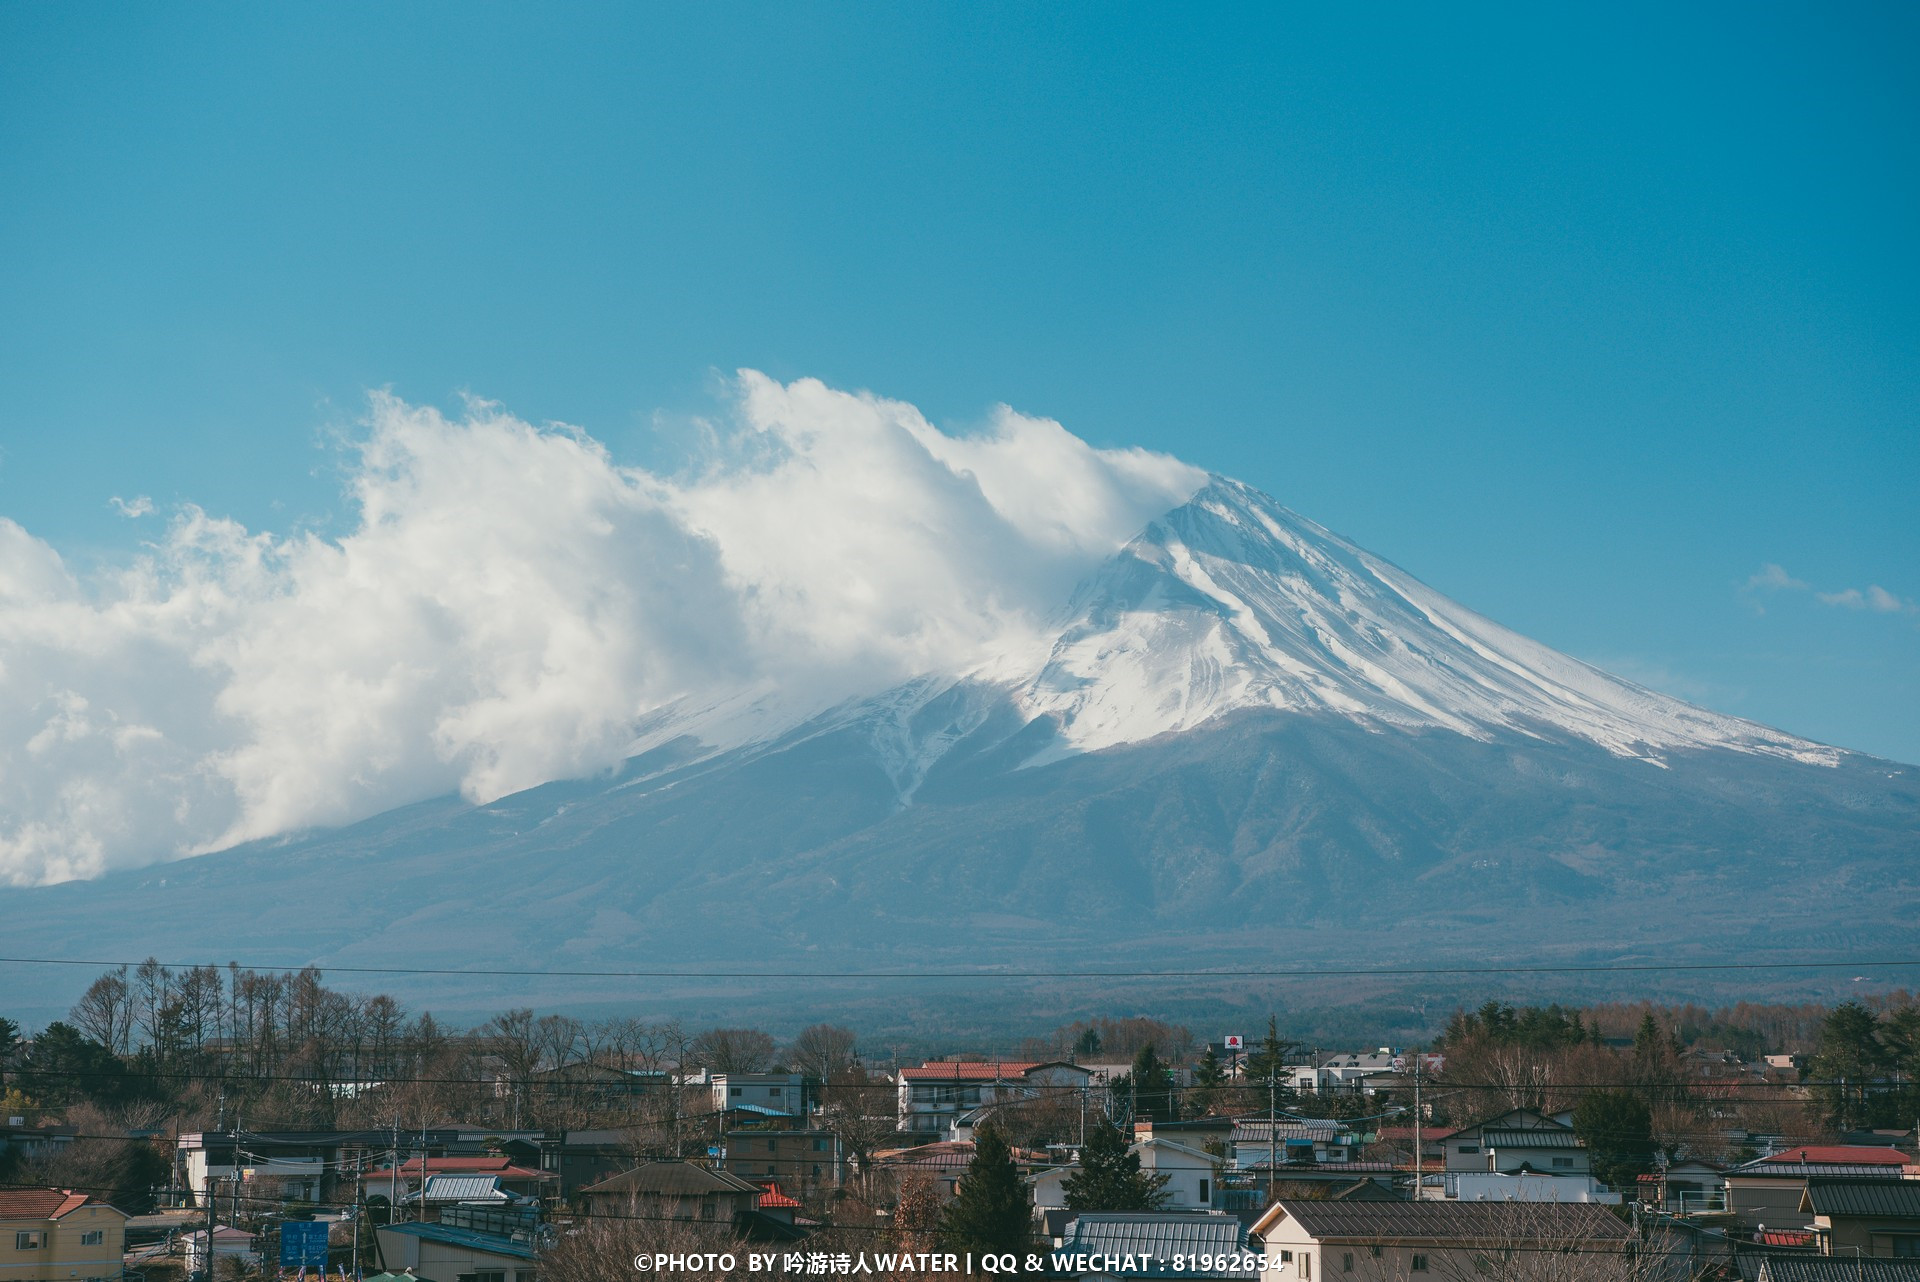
column 1241, row 741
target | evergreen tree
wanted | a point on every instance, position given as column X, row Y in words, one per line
column 1110, row 1178
column 1270, row 1060
column 990, row 1210
column 1150, row 1088
column 1618, row 1131
column 1847, row 1063
column 1208, row 1075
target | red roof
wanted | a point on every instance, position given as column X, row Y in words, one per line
column 775, row 1199
column 1843, row 1155
column 1785, row 1237
column 482, row 1164
column 969, row 1070
column 1426, row 1132
column 40, row 1204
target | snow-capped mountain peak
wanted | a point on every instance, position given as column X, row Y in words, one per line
column 1232, row 601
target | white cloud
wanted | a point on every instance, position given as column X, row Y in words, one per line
column 1875, row 598
column 510, row 602
column 1772, row 577
column 137, row 506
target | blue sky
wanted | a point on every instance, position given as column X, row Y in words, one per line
column 1586, row 317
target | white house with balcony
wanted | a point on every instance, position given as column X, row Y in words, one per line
column 937, row 1093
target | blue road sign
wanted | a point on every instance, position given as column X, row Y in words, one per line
column 303, row 1245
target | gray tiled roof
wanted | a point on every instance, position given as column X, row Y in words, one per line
column 1896, row 1199
column 1461, row 1221
column 1160, row 1236
column 1837, row 1269
column 1528, row 1137
column 674, row 1179
column 1256, row 1132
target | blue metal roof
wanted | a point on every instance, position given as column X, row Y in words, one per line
column 464, row 1237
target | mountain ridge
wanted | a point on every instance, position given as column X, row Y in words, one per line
column 1242, row 739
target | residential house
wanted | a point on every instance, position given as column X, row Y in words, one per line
column 944, row 1162
column 229, row 1243
column 1209, row 1134
column 1192, row 1178
column 1689, row 1186
column 1328, row 1074
column 1518, row 1186
column 1156, row 1246
column 800, row 1158
column 1255, row 1141
column 445, row 1191
column 401, row 1183
column 21, row 1140
column 1878, row 1218
column 1192, row 1175
column 477, row 1245
column 58, row 1235
column 791, row 1094
column 301, row 1166
column 1769, row 1190
column 937, row 1093
column 1520, row 1138
column 578, row 1158
column 673, row 1191
column 1371, row 1241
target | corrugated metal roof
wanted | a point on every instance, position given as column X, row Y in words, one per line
column 1256, row 1132
column 1464, row 1221
column 1161, row 1237
column 1896, row 1199
column 1528, row 1137
column 464, row 1188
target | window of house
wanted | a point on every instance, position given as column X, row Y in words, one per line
column 27, row 1241
column 706, row 1208
column 773, row 1146
column 1206, row 1189
column 1346, row 1261
column 819, row 1146
column 1467, row 1148
column 1419, row 1263
column 1286, row 1257
column 92, row 1238
column 1374, row 1252
column 733, row 1090
column 816, row 1168
column 1306, row 1266
column 773, row 1092
column 1563, row 1161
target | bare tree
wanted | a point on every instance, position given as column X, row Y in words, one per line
column 734, row 1050
column 821, row 1050
column 105, row 1011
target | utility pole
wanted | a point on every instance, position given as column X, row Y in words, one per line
column 1419, row 1164
column 1273, row 1125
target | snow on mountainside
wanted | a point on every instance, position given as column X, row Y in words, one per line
column 1232, row 602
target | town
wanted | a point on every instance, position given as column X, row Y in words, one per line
column 238, row 1124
